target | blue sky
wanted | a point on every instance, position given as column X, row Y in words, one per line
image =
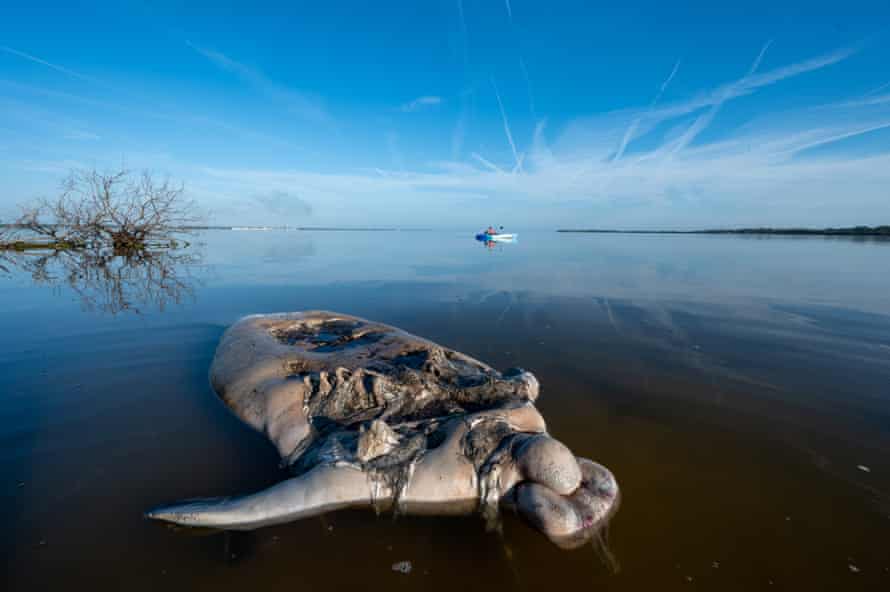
column 461, row 113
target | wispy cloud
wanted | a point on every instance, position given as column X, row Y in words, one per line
column 81, row 135
column 283, row 203
column 459, row 132
column 509, row 10
column 53, row 167
column 299, row 103
column 55, row 67
column 132, row 108
column 794, row 162
column 771, row 160
column 602, row 135
column 419, row 103
column 395, row 154
column 754, row 82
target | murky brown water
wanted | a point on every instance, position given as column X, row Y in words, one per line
column 739, row 390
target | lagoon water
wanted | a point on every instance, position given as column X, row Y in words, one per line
column 738, row 387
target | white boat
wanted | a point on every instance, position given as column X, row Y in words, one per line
column 496, row 238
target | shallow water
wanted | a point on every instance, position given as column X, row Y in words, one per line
column 739, row 389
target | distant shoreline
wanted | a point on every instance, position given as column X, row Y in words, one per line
column 306, row 229
column 268, row 228
column 849, row 231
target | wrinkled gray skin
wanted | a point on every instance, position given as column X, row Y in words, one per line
column 367, row 415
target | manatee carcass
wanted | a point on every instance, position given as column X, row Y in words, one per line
column 369, row 416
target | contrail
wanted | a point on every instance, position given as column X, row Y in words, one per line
column 457, row 136
column 528, row 84
column 507, row 126
column 665, row 84
column 37, row 60
column 632, row 128
column 509, row 10
column 778, row 74
column 759, row 59
column 876, row 90
column 628, row 134
column 518, row 163
column 841, row 136
column 487, row 163
column 301, row 103
column 704, row 120
column 463, row 31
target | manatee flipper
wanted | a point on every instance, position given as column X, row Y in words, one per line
column 323, row 489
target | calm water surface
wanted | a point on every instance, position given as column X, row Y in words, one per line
column 738, row 388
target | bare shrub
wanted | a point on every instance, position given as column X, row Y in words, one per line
column 121, row 210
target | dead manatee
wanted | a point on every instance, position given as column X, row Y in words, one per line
column 367, row 415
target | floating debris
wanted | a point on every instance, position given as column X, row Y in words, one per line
column 853, row 568
column 863, row 468
column 715, row 564
column 402, row 567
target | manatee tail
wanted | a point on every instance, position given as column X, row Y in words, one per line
column 321, row 490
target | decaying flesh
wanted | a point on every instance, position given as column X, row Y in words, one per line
column 367, row 415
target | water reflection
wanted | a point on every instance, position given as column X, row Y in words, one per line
column 734, row 384
column 111, row 281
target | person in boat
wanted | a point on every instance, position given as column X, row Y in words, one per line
column 490, row 231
